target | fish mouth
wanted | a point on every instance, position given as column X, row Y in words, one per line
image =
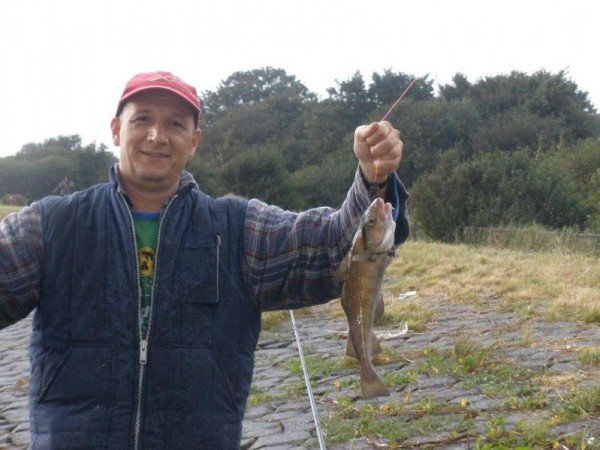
column 382, row 210
column 388, row 210
column 388, row 240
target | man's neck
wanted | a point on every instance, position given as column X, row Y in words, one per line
column 147, row 200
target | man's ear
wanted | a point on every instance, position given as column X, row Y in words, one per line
column 196, row 139
column 115, row 127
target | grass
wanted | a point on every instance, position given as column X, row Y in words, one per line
column 5, row 210
column 525, row 435
column 536, row 285
column 580, row 403
column 482, row 367
column 590, row 357
column 317, row 366
column 399, row 311
column 396, row 313
column 393, row 421
column 272, row 320
column 563, row 286
column 475, row 366
column 258, row 397
column 534, row 238
column 516, row 390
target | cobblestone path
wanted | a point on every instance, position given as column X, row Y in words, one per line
column 279, row 416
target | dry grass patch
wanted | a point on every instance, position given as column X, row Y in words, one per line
column 567, row 285
column 411, row 312
column 5, row 210
column 590, row 357
column 396, row 313
column 273, row 320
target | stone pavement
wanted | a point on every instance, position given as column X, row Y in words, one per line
column 280, row 418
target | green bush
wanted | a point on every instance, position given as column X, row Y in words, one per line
column 496, row 189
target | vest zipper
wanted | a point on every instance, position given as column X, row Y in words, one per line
column 144, row 342
column 144, row 339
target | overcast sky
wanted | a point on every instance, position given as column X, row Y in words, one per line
column 64, row 64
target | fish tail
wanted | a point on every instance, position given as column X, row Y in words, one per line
column 370, row 383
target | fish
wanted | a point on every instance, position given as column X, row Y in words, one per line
column 362, row 271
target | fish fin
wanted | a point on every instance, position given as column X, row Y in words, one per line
column 363, row 257
column 371, row 385
column 379, row 311
column 350, row 350
column 342, row 270
column 392, row 253
column 375, row 346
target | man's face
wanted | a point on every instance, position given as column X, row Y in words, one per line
column 157, row 136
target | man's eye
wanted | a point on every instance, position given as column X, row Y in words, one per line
column 142, row 119
column 177, row 124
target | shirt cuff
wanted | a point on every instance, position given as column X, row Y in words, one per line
column 396, row 193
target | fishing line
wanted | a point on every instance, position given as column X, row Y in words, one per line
column 313, row 406
column 398, row 101
column 387, row 114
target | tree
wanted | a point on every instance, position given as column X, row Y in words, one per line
column 251, row 87
column 259, row 172
column 39, row 167
column 429, row 129
column 386, row 88
column 352, row 98
column 542, row 94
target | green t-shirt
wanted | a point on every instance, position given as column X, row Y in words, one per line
column 146, row 235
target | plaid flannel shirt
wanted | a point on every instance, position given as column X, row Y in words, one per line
column 289, row 257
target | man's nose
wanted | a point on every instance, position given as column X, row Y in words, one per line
column 157, row 134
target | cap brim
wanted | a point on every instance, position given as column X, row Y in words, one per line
column 164, row 88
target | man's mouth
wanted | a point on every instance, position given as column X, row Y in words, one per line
column 155, row 155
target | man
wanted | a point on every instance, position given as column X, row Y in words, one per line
column 65, row 187
column 148, row 293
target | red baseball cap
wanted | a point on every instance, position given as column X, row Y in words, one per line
column 161, row 80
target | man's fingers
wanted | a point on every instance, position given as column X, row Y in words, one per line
column 387, row 166
column 378, row 133
column 393, row 144
column 371, row 131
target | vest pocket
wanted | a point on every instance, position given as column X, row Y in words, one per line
column 200, row 273
column 76, row 374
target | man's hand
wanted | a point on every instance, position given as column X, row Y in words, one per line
column 379, row 150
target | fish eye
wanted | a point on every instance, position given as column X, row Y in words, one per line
column 371, row 221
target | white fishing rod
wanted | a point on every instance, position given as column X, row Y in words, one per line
column 313, row 405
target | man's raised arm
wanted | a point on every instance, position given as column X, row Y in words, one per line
column 290, row 258
column 20, row 264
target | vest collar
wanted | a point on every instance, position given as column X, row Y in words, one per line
column 186, row 182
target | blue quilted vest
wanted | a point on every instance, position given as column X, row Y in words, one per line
column 89, row 388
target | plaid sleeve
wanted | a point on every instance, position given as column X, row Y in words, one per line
column 290, row 258
column 20, row 261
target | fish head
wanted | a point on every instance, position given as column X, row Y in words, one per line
column 378, row 227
